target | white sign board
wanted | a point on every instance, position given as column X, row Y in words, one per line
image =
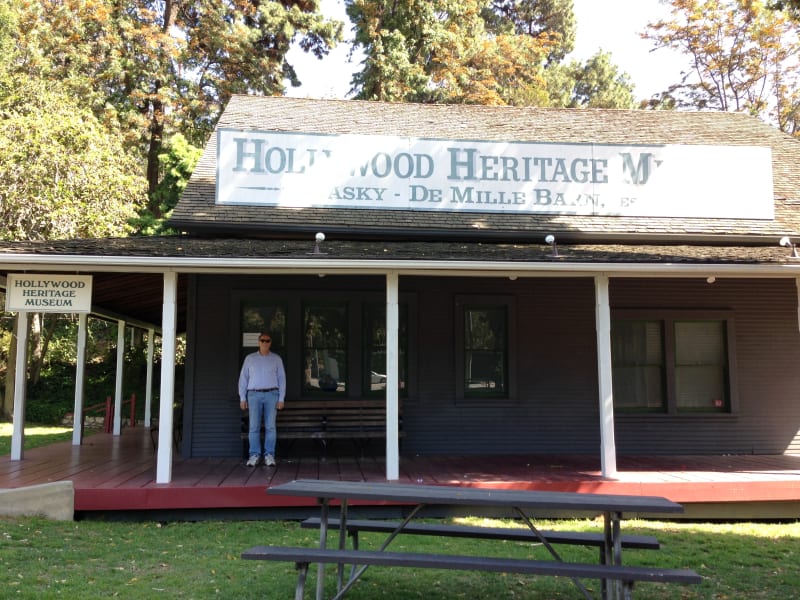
column 49, row 293
column 380, row 172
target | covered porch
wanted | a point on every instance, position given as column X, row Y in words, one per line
column 117, row 474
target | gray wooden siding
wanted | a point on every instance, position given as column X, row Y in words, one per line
column 555, row 409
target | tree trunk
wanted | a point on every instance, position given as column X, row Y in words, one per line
column 7, row 406
column 36, row 346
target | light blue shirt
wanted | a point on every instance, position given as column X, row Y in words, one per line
column 262, row 372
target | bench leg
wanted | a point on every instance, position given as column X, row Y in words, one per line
column 302, row 573
column 627, row 590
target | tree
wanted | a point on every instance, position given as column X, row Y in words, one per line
column 440, row 51
column 62, row 173
column 743, row 58
column 177, row 163
column 156, row 67
column 477, row 51
column 553, row 19
column 595, row 84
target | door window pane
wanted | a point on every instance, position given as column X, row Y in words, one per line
column 485, row 351
column 263, row 316
column 325, row 349
column 375, row 348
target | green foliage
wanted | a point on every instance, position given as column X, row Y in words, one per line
column 551, row 18
column 152, row 69
column 441, row 51
column 177, row 164
column 595, row 84
column 478, row 52
column 62, row 174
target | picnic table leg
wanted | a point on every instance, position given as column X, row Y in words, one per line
column 612, row 553
column 342, row 542
column 323, row 542
column 543, row 540
column 302, row 572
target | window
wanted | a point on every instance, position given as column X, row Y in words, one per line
column 675, row 364
column 637, row 350
column 263, row 316
column 333, row 344
column 701, row 366
column 325, row 329
column 375, row 349
column 485, row 331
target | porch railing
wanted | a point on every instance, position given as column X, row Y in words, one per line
column 107, row 410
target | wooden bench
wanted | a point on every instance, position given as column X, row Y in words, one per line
column 302, row 557
column 323, row 420
column 574, row 538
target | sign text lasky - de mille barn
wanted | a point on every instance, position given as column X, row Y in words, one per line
column 295, row 170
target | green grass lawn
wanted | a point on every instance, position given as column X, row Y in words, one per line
column 95, row 559
column 35, row 436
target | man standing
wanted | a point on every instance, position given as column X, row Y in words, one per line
column 262, row 390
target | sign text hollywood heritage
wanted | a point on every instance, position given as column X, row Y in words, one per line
column 48, row 293
column 380, row 172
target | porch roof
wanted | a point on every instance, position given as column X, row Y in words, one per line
column 158, row 253
column 128, row 283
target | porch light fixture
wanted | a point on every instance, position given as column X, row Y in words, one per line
column 710, row 279
column 551, row 239
column 787, row 243
column 318, row 239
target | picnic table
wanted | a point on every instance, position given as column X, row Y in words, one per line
column 616, row 580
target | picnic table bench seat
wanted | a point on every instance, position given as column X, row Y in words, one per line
column 575, row 538
column 628, row 575
column 326, row 419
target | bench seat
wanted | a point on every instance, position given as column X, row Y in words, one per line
column 577, row 538
column 322, row 420
column 628, row 575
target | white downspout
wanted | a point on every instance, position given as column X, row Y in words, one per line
column 392, row 377
column 608, row 449
column 168, row 327
column 80, row 377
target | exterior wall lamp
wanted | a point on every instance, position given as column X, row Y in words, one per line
column 787, row 243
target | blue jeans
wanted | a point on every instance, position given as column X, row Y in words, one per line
column 262, row 406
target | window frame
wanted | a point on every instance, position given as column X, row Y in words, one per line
column 294, row 300
column 667, row 319
column 467, row 301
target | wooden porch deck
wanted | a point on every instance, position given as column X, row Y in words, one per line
column 118, row 474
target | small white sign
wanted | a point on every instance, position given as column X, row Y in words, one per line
column 250, row 340
column 49, row 293
column 291, row 170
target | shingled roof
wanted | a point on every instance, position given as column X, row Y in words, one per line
column 198, row 213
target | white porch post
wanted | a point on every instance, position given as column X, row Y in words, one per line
column 608, row 449
column 80, row 376
column 169, row 313
column 20, row 380
column 148, row 393
column 118, row 378
column 392, row 378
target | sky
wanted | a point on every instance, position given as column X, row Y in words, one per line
column 610, row 25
